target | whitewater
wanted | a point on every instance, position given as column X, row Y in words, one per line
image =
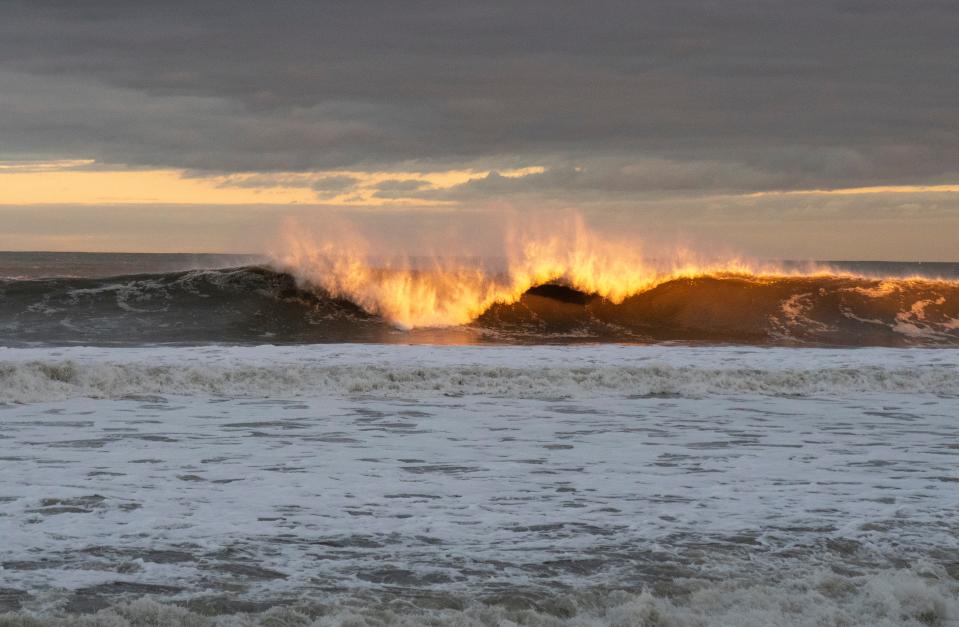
column 596, row 484
column 210, row 441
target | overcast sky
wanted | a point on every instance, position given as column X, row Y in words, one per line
column 697, row 114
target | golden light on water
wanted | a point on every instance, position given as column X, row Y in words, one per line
column 438, row 290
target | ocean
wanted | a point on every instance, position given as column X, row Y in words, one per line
column 218, row 440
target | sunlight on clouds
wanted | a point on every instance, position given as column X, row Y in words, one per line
column 66, row 182
column 852, row 191
column 131, row 187
column 43, row 165
column 363, row 190
column 84, row 182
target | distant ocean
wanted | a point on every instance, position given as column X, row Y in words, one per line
column 203, row 439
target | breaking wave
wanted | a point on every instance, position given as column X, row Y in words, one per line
column 56, row 379
column 260, row 304
column 909, row 597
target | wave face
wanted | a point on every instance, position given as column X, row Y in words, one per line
column 256, row 304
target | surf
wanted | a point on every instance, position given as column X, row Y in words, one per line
column 263, row 304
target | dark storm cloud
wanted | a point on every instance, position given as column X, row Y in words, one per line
column 735, row 95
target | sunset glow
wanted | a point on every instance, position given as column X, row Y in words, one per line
column 76, row 182
column 476, row 314
column 441, row 291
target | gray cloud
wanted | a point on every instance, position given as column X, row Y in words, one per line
column 400, row 188
column 326, row 186
column 333, row 185
column 619, row 177
column 264, row 181
column 704, row 95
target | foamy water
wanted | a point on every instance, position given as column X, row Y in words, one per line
column 33, row 375
column 480, row 486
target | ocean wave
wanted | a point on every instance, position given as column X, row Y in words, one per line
column 258, row 304
column 918, row 597
column 53, row 379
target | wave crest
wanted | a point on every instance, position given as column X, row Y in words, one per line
column 259, row 305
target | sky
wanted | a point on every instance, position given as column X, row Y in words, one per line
column 781, row 129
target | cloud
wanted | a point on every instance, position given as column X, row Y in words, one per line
column 618, row 177
column 400, row 188
column 821, row 93
column 44, row 165
column 325, row 185
column 263, row 181
column 334, row 185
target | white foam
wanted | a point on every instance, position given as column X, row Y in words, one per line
column 893, row 598
column 34, row 375
column 370, row 471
